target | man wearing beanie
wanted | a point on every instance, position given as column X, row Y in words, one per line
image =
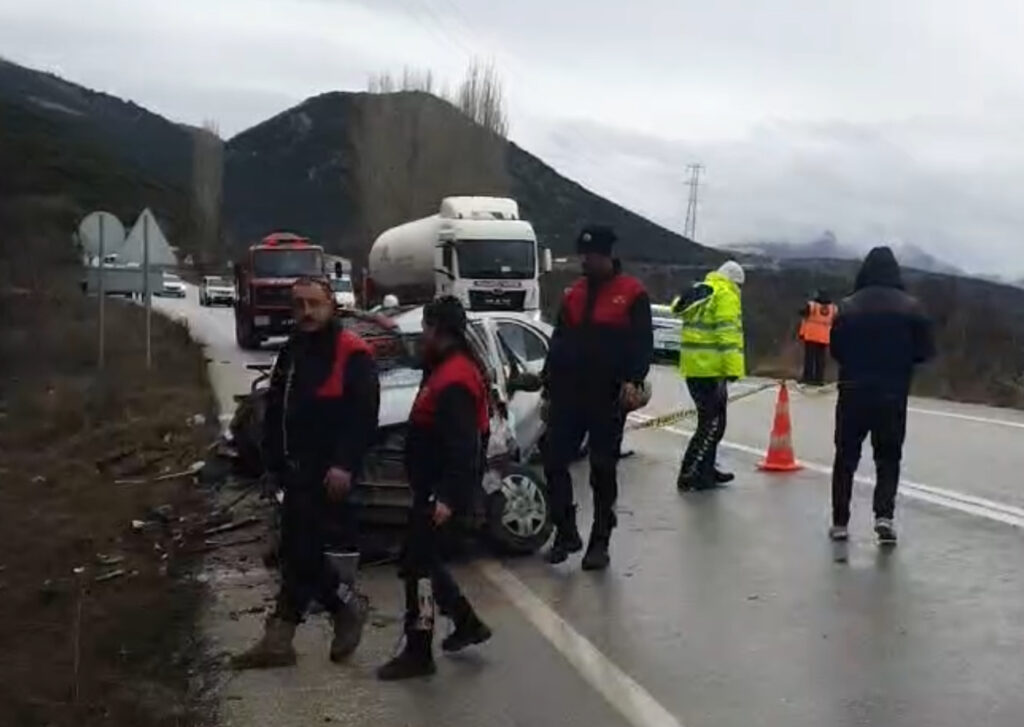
column 712, row 354
column 599, row 357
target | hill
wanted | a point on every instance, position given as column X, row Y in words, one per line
column 827, row 248
column 144, row 141
column 302, row 169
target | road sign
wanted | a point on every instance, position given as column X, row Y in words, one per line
column 101, row 231
column 134, row 248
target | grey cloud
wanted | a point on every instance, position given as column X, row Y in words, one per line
column 789, row 181
column 875, row 119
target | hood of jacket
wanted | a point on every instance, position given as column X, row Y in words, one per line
column 879, row 269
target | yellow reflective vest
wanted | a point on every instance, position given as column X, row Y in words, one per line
column 712, row 338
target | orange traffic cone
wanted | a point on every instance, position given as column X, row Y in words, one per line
column 780, row 448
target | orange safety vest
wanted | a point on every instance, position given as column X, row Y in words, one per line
column 817, row 324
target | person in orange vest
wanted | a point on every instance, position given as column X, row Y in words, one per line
column 815, row 332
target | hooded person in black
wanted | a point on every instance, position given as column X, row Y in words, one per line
column 879, row 335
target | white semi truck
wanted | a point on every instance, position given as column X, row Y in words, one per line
column 475, row 248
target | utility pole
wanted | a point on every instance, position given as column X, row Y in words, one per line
column 690, row 227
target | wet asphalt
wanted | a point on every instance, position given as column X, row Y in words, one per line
column 723, row 608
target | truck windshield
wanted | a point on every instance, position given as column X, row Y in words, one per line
column 497, row 259
column 341, row 285
column 286, row 263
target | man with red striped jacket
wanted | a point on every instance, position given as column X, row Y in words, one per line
column 600, row 354
column 320, row 420
column 445, row 451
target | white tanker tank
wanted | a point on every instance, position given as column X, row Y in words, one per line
column 475, row 248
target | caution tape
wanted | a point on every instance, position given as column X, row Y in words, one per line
column 671, row 418
column 812, row 391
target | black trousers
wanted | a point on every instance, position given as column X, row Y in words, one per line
column 310, row 526
column 569, row 421
column 427, row 580
column 860, row 412
column 814, row 363
column 711, row 397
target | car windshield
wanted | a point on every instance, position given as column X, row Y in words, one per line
column 497, row 259
column 286, row 263
column 217, row 282
column 341, row 285
column 171, row 277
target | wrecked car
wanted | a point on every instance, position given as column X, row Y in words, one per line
column 511, row 506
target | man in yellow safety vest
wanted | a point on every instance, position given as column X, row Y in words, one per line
column 712, row 354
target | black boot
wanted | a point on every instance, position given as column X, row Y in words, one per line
column 596, row 557
column 723, row 478
column 415, row 660
column 469, row 630
column 567, row 539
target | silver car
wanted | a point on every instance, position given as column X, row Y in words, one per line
column 668, row 331
column 511, row 508
column 216, row 290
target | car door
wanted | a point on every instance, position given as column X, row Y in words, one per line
column 530, row 346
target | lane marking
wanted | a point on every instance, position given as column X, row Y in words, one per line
column 620, row 690
column 967, row 417
column 961, row 501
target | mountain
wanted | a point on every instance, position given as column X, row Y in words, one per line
column 302, row 168
column 144, row 141
column 827, row 248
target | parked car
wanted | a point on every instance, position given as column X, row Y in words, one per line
column 668, row 331
column 173, row 286
column 511, row 507
column 216, row 290
column 344, row 293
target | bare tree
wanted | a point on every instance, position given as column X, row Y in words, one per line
column 412, row 147
column 207, row 190
column 481, row 97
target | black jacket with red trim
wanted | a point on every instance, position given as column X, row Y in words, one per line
column 602, row 339
column 448, row 431
column 323, row 401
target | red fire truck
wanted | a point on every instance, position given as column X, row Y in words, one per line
column 263, row 279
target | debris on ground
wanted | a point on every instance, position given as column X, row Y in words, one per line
column 161, row 513
column 234, row 525
column 110, row 575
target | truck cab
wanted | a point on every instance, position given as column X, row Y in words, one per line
column 263, row 279
column 475, row 248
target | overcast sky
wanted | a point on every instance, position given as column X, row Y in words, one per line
column 882, row 120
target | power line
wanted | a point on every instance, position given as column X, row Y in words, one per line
column 690, row 227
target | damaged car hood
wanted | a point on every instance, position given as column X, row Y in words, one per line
column 398, row 389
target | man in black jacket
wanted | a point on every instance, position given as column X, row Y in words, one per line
column 449, row 427
column 878, row 336
column 601, row 351
column 321, row 418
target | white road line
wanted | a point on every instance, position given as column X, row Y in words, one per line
column 961, row 501
column 967, row 417
column 621, row 691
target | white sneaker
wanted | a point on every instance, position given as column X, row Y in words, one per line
column 838, row 534
column 886, row 531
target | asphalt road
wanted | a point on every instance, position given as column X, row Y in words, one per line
column 720, row 609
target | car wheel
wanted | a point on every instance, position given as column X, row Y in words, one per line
column 244, row 336
column 519, row 515
column 246, row 428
